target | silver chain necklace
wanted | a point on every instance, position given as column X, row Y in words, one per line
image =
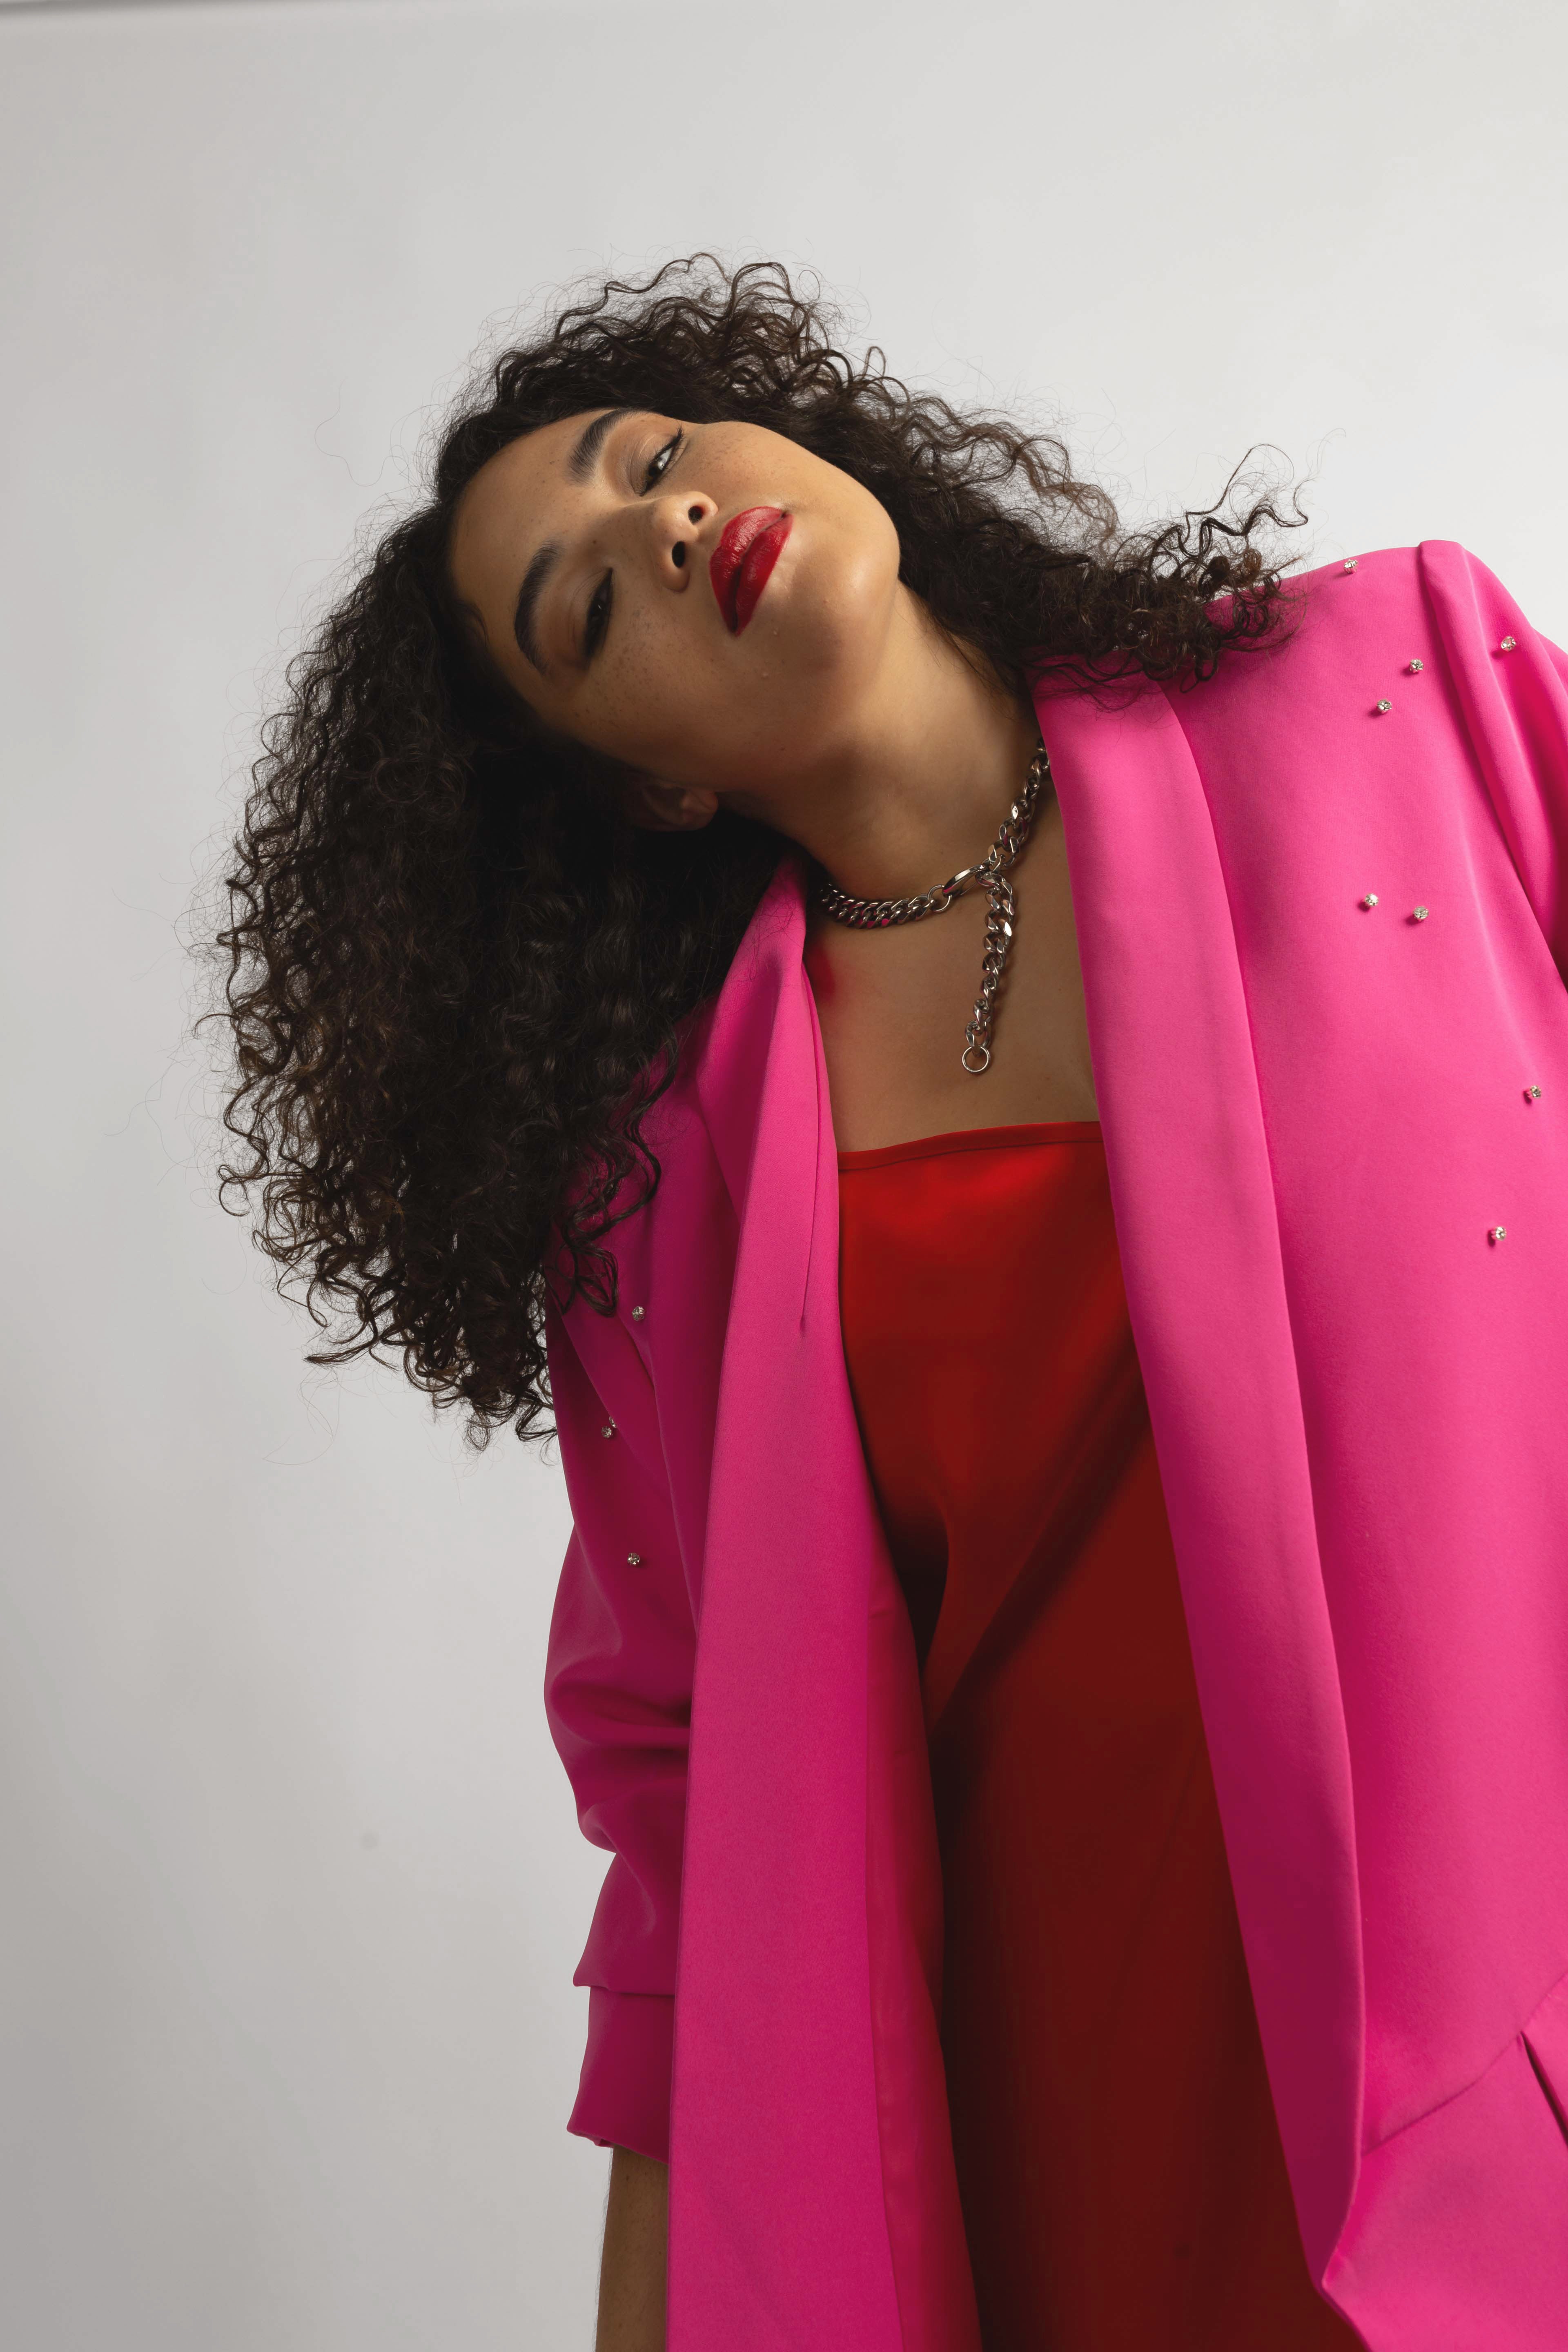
column 990, row 875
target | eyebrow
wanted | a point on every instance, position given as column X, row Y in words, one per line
column 528, row 596
column 590, row 441
column 579, row 466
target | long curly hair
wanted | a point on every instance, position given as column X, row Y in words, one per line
column 456, row 976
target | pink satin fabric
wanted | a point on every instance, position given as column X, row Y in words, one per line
column 1314, row 1113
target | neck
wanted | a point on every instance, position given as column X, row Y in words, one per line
column 939, row 755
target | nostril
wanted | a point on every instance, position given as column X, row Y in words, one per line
column 677, row 554
column 693, row 514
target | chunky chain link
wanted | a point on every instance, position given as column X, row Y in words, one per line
column 990, row 875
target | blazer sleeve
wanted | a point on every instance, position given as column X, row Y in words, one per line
column 618, row 1697
column 1512, row 688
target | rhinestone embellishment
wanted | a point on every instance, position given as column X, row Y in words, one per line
column 1371, row 899
column 1350, row 563
column 1419, row 915
column 1385, row 706
column 1508, row 645
column 637, row 1314
column 1532, row 1093
column 1498, row 1234
column 634, row 1559
column 608, row 1430
column 1415, row 667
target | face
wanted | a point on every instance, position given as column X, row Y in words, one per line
column 708, row 603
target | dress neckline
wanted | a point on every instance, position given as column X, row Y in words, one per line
column 974, row 1138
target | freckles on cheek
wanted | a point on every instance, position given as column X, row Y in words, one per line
column 661, row 692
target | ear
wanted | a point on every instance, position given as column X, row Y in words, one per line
column 668, row 808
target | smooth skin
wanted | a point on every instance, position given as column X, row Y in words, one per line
column 632, row 2266
column 846, row 719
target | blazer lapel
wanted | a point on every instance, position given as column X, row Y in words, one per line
column 774, row 2102
column 1195, row 1205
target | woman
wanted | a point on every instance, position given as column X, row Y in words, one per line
column 1064, row 1636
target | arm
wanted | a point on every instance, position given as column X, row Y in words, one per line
column 618, row 1697
column 632, row 2270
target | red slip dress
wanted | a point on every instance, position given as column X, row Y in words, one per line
column 1122, row 2180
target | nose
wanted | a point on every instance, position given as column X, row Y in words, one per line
column 678, row 524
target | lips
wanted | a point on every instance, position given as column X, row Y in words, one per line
column 748, row 548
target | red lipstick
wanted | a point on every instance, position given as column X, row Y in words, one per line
column 749, row 547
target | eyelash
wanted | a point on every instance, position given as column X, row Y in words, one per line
column 671, row 450
column 599, row 603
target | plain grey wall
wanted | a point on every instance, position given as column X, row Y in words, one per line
column 292, row 1891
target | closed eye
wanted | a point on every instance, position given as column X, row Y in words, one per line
column 598, row 619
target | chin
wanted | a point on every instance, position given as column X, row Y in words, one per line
column 829, row 626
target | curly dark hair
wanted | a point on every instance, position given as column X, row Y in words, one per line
column 455, row 973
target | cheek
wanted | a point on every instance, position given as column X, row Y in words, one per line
column 658, row 698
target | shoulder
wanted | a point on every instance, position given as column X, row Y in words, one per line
column 1400, row 588
column 670, row 1219
column 1364, row 637
column 1324, row 613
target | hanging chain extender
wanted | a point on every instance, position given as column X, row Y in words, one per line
column 990, row 875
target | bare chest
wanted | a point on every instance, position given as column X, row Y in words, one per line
column 893, row 1005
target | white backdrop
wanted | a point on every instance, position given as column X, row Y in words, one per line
column 291, row 1888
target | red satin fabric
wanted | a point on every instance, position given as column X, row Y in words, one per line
column 1120, row 2168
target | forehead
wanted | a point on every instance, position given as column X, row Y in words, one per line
column 511, row 507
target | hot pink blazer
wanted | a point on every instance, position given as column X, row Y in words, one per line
column 1343, row 1218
